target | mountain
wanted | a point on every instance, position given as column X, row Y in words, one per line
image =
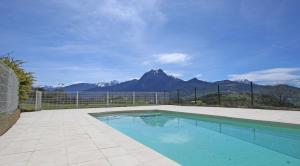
column 245, row 81
column 46, row 88
column 236, row 86
column 158, row 80
column 105, row 84
column 191, row 84
column 79, row 87
column 124, row 86
column 88, row 86
column 153, row 80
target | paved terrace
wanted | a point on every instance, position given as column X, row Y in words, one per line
column 72, row 137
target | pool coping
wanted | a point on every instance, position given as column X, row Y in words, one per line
column 95, row 114
column 55, row 135
column 277, row 116
column 158, row 160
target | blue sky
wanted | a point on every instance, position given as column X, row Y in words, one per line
column 68, row 41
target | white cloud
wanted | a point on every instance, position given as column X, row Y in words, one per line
column 175, row 74
column 172, row 58
column 175, row 138
column 198, row 75
column 289, row 76
column 73, row 48
column 135, row 12
column 103, row 19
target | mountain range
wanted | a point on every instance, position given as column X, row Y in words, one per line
column 158, row 80
column 79, row 86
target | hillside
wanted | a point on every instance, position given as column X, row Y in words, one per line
column 158, row 80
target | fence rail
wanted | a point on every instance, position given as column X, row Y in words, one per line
column 228, row 95
column 59, row 100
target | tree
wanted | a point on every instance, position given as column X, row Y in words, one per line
column 25, row 78
column 283, row 92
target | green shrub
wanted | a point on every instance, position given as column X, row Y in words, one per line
column 25, row 78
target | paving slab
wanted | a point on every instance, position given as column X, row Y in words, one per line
column 73, row 137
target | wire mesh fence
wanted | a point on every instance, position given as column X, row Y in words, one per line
column 227, row 94
column 252, row 96
column 61, row 100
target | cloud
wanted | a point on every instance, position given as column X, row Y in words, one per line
column 134, row 12
column 172, row 58
column 175, row 138
column 110, row 19
column 175, row 74
column 198, row 75
column 73, row 48
column 272, row 76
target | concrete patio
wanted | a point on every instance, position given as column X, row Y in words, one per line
column 73, row 137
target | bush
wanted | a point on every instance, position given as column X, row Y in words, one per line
column 25, row 78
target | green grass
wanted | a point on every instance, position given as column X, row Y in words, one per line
column 1, row 114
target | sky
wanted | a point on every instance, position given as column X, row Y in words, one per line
column 72, row 41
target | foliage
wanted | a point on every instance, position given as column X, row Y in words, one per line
column 282, row 92
column 25, row 78
column 244, row 100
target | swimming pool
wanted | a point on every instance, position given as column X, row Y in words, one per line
column 195, row 140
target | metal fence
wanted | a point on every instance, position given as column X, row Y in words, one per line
column 8, row 90
column 251, row 95
column 61, row 100
column 229, row 94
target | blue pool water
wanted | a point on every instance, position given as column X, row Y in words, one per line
column 195, row 140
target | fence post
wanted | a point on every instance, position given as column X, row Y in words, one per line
column 36, row 101
column 164, row 97
column 156, row 101
column 219, row 95
column 133, row 98
column 77, row 97
column 178, row 96
column 57, row 99
column 252, row 97
column 107, row 98
column 195, row 95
